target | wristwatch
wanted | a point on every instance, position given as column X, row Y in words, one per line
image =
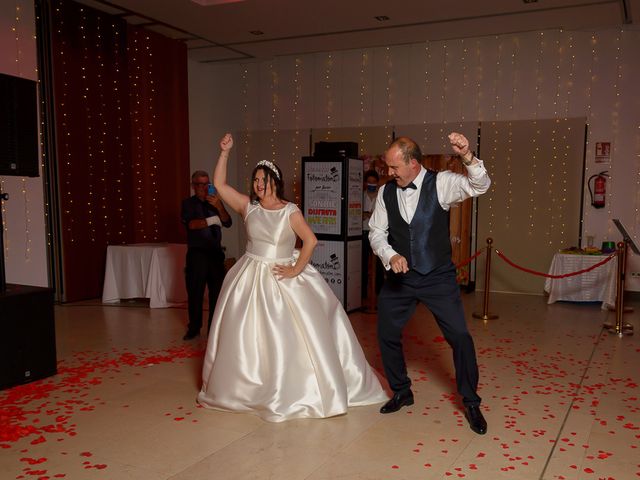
column 470, row 161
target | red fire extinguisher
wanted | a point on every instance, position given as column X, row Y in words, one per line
column 599, row 191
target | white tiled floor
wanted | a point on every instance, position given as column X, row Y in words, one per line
column 560, row 394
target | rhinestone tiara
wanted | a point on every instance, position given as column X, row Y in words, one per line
column 270, row 165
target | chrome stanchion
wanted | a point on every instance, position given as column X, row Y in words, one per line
column 485, row 315
column 620, row 328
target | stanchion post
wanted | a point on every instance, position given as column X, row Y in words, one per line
column 485, row 315
column 620, row 328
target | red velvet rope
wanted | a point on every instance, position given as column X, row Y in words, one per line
column 468, row 260
column 592, row 267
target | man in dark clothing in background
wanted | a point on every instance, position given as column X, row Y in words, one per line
column 203, row 215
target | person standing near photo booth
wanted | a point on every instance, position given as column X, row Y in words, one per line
column 203, row 215
column 409, row 231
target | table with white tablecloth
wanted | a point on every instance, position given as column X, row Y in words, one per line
column 146, row 270
column 597, row 285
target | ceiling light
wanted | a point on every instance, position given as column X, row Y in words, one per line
column 381, row 18
column 256, row 32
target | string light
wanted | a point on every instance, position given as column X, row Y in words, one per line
column 246, row 135
column 479, row 80
column 427, row 91
column 552, row 209
column 329, row 94
column 43, row 155
column 443, row 96
column 143, row 95
column 135, row 93
column 509, row 155
column 387, row 122
column 508, row 162
column 494, row 183
column 103, row 210
column 550, row 225
column 572, row 67
column 615, row 130
column 533, row 175
column 64, row 135
column 556, row 97
column 538, row 73
column 274, row 111
column 4, row 220
column 465, row 81
column 154, row 152
column 564, row 179
column 496, row 79
column 588, row 147
column 15, row 29
column 67, row 199
column 514, row 72
column 296, row 116
column 567, row 147
column 364, row 61
column 100, row 154
column 120, row 207
column 27, row 216
column 90, row 202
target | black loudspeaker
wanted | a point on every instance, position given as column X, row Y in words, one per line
column 28, row 340
column 18, row 126
column 335, row 149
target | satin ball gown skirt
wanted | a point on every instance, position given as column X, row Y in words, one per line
column 283, row 349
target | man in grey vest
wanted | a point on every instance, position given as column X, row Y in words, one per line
column 409, row 231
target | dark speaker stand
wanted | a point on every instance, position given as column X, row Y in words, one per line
column 28, row 340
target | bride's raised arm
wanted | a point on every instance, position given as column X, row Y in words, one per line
column 236, row 200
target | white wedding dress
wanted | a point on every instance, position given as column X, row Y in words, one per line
column 282, row 349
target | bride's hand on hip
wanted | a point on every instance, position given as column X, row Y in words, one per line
column 284, row 271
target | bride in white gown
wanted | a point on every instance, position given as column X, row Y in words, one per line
column 280, row 346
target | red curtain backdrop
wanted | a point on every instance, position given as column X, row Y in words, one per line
column 122, row 138
column 158, row 106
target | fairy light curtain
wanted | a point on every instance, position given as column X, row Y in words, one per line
column 122, row 139
column 533, row 206
column 159, row 123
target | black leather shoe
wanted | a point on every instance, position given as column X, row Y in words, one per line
column 476, row 421
column 398, row 401
column 190, row 335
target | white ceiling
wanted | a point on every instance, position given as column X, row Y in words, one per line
column 221, row 30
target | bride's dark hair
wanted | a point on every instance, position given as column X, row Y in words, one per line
column 271, row 173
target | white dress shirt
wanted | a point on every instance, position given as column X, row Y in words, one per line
column 450, row 187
